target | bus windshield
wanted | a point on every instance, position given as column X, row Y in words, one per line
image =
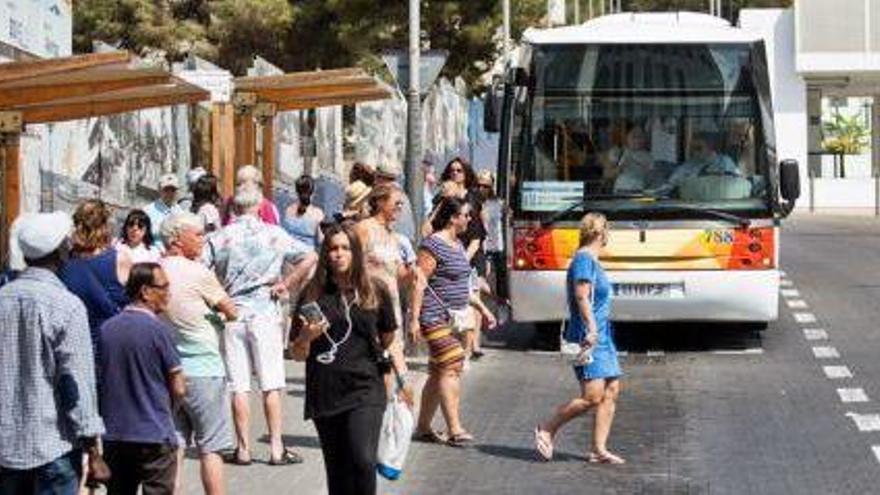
column 634, row 130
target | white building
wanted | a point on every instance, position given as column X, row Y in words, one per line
column 824, row 58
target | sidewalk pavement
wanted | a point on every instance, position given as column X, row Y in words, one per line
column 303, row 479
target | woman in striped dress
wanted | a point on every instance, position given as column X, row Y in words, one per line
column 442, row 286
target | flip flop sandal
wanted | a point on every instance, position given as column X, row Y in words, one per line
column 289, row 456
column 460, row 440
column 604, row 458
column 235, row 457
column 543, row 444
column 430, row 436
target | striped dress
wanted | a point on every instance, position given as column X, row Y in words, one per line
column 449, row 282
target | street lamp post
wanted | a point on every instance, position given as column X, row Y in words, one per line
column 413, row 174
column 506, row 29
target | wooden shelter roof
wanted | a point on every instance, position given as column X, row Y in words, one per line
column 304, row 90
column 91, row 85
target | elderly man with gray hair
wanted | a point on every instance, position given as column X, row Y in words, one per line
column 196, row 301
column 258, row 264
column 250, row 176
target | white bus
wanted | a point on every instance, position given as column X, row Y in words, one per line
column 663, row 122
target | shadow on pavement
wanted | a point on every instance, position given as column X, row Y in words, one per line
column 296, row 441
column 523, row 454
column 636, row 337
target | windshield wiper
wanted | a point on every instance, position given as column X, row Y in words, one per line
column 721, row 215
column 599, row 197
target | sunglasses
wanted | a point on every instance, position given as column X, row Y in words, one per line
column 139, row 225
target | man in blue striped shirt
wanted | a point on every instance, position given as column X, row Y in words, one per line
column 49, row 407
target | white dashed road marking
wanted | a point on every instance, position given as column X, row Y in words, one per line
column 866, row 422
column 815, row 334
column 825, row 352
column 796, row 303
column 656, row 353
column 852, row 395
column 837, row 372
column 790, row 293
column 786, row 283
column 876, row 450
column 804, row 317
column 740, row 352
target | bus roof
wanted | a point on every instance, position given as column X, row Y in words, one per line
column 647, row 27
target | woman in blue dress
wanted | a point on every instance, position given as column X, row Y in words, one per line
column 589, row 304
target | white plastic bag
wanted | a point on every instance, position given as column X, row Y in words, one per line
column 394, row 439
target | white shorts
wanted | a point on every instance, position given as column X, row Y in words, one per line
column 254, row 345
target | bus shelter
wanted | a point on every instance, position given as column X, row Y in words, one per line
column 257, row 100
column 70, row 88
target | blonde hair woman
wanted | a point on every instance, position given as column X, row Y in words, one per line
column 589, row 305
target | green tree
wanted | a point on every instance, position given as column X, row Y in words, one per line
column 240, row 29
column 137, row 25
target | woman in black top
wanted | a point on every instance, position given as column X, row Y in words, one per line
column 345, row 387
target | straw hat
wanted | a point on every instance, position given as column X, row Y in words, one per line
column 356, row 193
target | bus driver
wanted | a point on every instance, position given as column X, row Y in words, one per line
column 704, row 160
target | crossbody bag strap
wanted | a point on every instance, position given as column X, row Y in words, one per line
column 437, row 297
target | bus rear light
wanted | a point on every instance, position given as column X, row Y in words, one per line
column 753, row 249
column 534, row 249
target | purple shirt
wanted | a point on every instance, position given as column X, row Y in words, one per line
column 137, row 357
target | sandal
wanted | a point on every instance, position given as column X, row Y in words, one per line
column 543, row 444
column 462, row 439
column 604, row 458
column 236, row 458
column 288, row 456
column 429, row 436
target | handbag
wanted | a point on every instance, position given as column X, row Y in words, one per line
column 395, row 437
column 460, row 319
column 574, row 353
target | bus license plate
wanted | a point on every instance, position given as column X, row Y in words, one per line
column 648, row 291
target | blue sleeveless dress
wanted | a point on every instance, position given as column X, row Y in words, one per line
column 605, row 365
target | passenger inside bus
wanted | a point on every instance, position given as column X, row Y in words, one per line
column 631, row 164
column 704, row 160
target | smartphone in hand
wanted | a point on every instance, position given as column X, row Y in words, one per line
column 312, row 313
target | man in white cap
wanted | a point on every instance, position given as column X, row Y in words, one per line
column 163, row 207
column 49, row 409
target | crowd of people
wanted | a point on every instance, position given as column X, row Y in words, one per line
column 120, row 351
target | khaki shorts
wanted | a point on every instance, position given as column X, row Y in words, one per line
column 254, row 346
column 204, row 418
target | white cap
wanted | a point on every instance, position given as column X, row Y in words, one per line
column 39, row 234
column 195, row 174
column 169, row 180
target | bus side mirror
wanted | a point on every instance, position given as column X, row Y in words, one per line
column 789, row 181
column 493, row 102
